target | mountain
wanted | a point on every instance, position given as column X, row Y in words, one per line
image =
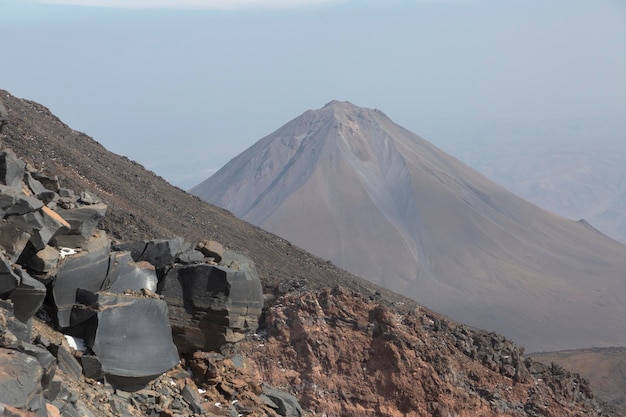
column 351, row 186
column 341, row 345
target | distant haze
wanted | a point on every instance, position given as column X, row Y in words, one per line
column 183, row 91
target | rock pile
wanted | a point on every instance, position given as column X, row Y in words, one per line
column 119, row 298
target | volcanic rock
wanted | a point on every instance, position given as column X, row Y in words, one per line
column 131, row 337
column 20, row 379
column 86, row 269
column 124, row 274
column 12, row 169
column 83, row 221
column 212, row 305
column 159, row 252
column 9, row 280
column 27, row 297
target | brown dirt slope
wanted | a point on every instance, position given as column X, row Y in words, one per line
column 605, row 368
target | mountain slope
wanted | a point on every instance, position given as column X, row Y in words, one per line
column 351, row 186
column 340, row 344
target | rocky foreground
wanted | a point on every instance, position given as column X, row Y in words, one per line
column 173, row 328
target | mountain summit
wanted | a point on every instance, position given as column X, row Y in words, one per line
column 351, row 186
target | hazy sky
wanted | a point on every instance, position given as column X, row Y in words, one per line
column 182, row 86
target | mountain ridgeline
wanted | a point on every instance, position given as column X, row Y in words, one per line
column 351, row 186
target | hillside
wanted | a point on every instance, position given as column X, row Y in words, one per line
column 351, row 186
column 341, row 345
column 605, row 368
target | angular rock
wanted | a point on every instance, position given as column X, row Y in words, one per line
column 40, row 225
column 67, row 362
column 286, row 404
column 24, row 204
column 159, row 252
column 27, row 297
column 132, row 338
column 211, row 249
column 14, row 237
column 124, row 274
column 12, row 330
column 88, row 198
column 49, row 182
column 83, row 222
column 92, row 367
column 44, row 261
column 193, row 399
column 47, row 362
column 190, row 257
column 9, row 280
column 33, row 184
column 212, row 305
column 4, row 115
column 86, row 269
column 11, row 169
column 20, row 379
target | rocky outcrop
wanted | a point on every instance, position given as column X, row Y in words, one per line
column 51, row 249
column 4, row 115
column 213, row 305
column 341, row 352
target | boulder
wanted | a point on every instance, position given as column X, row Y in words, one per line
column 83, row 222
column 212, row 305
column 12, row 330
column 20, row 379
column 159, row 252
column 124, row 274
column 44, row 261
column 27, row 297
column 14, row 236
column 48, row 182
column 86, row 269
column 9, row 280
column 211, row 249
column 4, row 116
column 283, row 403
column 12, row 169
column 24, row 204
column 34, row 185
column 132, row 337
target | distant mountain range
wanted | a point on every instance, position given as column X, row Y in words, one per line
column 351, row 186
column 577, row 171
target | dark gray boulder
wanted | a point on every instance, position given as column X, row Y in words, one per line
column 12, row 169
column 20, row 379
column 159, row 252
column 283, row 403
column 44, row 261
column 12, row 330
column 124, row 274
column 9, row 280
column 35, row 186
column 27, row 297
column 86, row 269
column 132, row 337
column 4, row 115
column 83, row 222
column 14, row 236
column 212, row 305
column 67, row 362
column 24, row 204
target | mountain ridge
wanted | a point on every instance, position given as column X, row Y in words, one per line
column 351, row 186
column 382, row 354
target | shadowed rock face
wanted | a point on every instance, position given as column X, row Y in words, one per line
column 349, row 185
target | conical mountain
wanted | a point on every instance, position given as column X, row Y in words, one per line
column 351, row 186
